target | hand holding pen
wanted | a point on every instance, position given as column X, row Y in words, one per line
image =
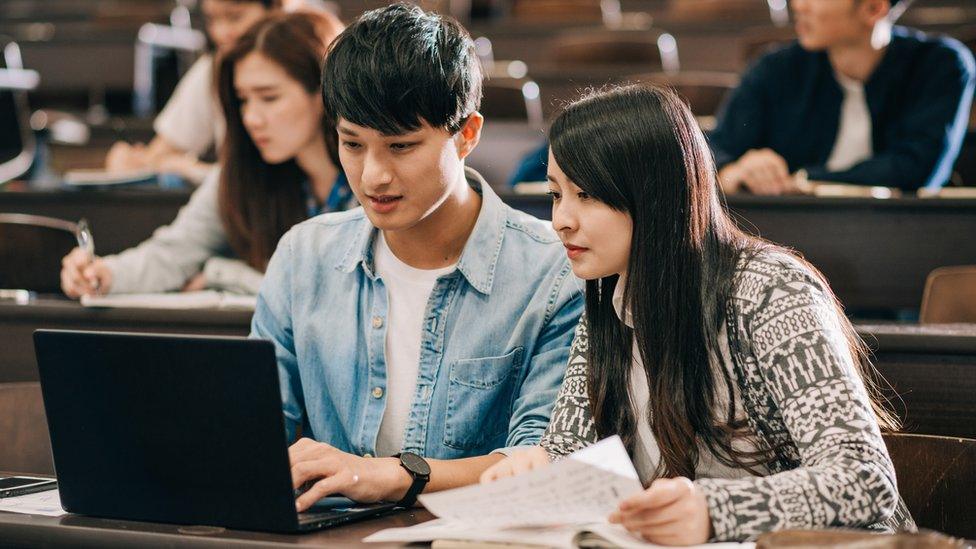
column 82, row 272
column 87, row 244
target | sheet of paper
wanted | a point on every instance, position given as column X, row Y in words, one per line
column 563, row 505
column 442, row 529
column 207, row 299
column 566, row 536
column 46, row 503
column 583, row 488
column 87, row 178
column 618, row 536
column 238, row 301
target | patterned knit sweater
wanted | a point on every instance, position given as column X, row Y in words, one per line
column 802, row 396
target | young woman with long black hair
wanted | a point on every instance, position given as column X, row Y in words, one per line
column 723, row 362
column 280, row 165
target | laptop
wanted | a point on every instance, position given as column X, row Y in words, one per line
column 174, row 429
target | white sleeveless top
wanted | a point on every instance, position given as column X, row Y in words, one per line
column 647, row 454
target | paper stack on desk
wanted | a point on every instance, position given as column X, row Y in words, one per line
column 206, row 299
column 563, row 505
column 46, row 503
column 103, row 178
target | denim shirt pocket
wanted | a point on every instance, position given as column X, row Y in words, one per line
column 479, row 400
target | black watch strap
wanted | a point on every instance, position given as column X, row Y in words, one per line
column 419, row 470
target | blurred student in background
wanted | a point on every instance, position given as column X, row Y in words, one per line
column 279, row 166
column 191, row 123
column 853, row 100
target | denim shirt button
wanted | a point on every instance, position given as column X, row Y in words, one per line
column 377, row 322
column 367, row 455
column 377, row 392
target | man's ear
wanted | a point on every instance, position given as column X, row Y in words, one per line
column 874, row 11
column 469, row 135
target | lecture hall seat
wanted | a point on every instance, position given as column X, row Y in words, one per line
column 703, row 90
column 651, row 50
column 949, row 296
column 512, row 100
column 31, row 248
column 937, row 480
column 601, row 12
column 719, row 11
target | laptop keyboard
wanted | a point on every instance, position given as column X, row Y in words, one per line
column 308, row 518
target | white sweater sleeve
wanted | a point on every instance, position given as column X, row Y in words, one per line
column 174, row 252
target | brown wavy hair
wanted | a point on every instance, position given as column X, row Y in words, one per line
column 258, row 201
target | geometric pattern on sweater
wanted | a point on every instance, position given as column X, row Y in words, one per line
column 803, row 399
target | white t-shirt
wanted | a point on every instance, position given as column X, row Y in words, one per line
column 408, row 290
column 192, row 119
column 853, row 143
column 647, row 454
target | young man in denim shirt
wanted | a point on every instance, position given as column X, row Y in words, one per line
column 435, row 321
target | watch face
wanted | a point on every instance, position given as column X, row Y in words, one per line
column 415, row 464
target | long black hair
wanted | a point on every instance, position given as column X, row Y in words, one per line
column 639, row 150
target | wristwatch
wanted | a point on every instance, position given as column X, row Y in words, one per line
column 419, row 469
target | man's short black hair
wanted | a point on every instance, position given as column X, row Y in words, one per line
column 398, row 66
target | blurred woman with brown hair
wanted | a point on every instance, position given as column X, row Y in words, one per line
column 279, row 166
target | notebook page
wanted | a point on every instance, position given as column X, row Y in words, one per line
column 583, row 488
column 207, row 299
column 46, row 503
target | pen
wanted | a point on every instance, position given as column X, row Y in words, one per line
column 802, row 182
column 87, row 244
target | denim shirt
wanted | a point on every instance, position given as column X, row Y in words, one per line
column 493, row 351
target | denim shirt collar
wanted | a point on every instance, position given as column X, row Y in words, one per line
column 480, row 253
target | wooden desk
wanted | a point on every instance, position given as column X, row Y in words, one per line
column 18, row 322
column 875, row 253
column 932, row 371
column 80, row 531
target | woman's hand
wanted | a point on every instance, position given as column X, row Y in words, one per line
column 185, row 165
column 672, row 511
column 196, row 283
column 82, row 276
column 123, row 157
column 521, row 461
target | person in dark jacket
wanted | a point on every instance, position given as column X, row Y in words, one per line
column 853, row 100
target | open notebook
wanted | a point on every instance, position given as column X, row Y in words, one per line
column 102, row 178
column 823, row 189
column 207, row 299
column 563, row 505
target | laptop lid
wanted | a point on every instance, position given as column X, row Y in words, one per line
column 177, row 429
